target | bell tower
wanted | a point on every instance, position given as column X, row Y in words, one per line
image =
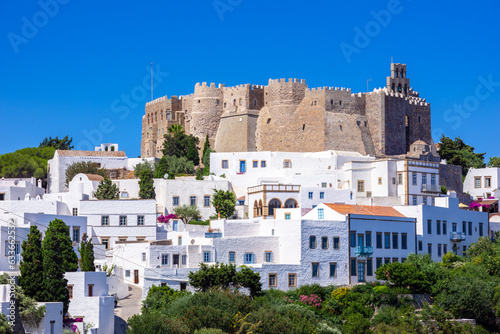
column 398, row 82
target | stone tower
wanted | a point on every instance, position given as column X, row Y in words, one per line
column 398, row 82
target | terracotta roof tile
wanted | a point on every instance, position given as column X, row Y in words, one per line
column 94, row 177
column 74, row 153
column 345, row 209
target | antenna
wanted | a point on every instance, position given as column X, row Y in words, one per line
column 368, row 89
column 151, row 81
column 392, row 61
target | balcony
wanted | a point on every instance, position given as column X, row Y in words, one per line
column 363, row 251
column 274, row 188
column 213, row 235
column 457, row 236
column 431, row 188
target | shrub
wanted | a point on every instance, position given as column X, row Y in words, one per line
column 356, row 324
column 155, row 322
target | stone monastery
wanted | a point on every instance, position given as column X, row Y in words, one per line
column 287, row 116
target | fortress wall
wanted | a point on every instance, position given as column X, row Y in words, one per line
column 375, row 104
column 396, row 109
column 347, row 132
column 236, row 133
column 206, row 110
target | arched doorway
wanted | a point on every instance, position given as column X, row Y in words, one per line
column 274, row 204
column 291, row 203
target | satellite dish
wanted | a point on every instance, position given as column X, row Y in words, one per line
column 192, row 241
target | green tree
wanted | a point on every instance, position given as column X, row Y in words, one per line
column 85, row 167
column 155, row 323
column 5, row 327
column 87, row 254
column 146, row 185
column 177, row 143
column 26, row 162
column 32, row 265
column 162, row 168
column 107, row 190
column 55, row 287
column 199, row 174
column 144, row 165
column 58, row 144
column 356, row 324
column 205, row 159
column 70, row 259
column 187, row 213
column 249, row 279
column 224, row 202
column 404, row 275
column 178, row 166
column 456, row 152
column 494, row 162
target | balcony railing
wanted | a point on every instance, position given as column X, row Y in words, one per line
column 431, row 188
column 363, row 251
column 274, row 188
column 457, row 236
column 213, row 235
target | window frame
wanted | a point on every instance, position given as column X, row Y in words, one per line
column 224, row 164
column 334, row 264
column 103, row 219
column 275, row 277
column 163, row 257
column 294, row 275
column 324, row 242
column 314, row 269
column 205, row 197
column 312, row 238
column 361, row 186
column 232, row 257
column 122, row 221
column 337, row 239
column 140, row 220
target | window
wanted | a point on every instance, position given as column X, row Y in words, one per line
column 179, row 240
column 333, row 269
column 324, row 242
column 400, row 178
column 184, row 259
column 310, row 195
column 477, row 182
column 433, row 179
column 445, row 248
column 387, row 260
column 439, row 250
column 192, row 200
column 379, row 180
column 420, row 246
column 123, row 220
column 232, row 257
column 487, row 182
column 255, row 163
column 292, row 280
column 287, row 164
column 404, row 241
column 140, row 220
column 454, row 227
column 438, row 227
column 429, row 226
column 105, row 242
column 429, row 249
column 368, row 238
column 127, row 273
column 352, row 238
column 315, row 269
column 378, row 262
column 268, row 257
column 424, row 178
column 225, row 164
column 395, row 240
column 287, row 216
column 425, row 200
column 143, row 257
column 353, row 267
column 369, row 267
column 164, row 259
column 175, row 200
column 75, row 211
column 480, row 229
column 323, row 184
column 393, row 180
column 206, row 201
column 272, row 280
column 2, row 197
column 321, row 213
column 414, row 179
column 464, row 227
column 444, row 227
column 263, row 164
column 312, row 242
column 91, row 290
column 414, row 200
column 464, row 250
column 104, row 220
column 470, row 228
column 336, row 243
column 321, row 195
column 70, row 290
column 206, row 256
column 140, row 238
column 387, row 240
column 124, row 194
column 379, row 240
column 361, row 186
column 248, row 258
column 394, row 260
column 76, row 234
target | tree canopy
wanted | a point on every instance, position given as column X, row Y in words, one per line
column 85, row 167
column 107, row 190
column 26, row 162
column 87, row 254
column 58, row 144
column 187, row 213
column 456, row 152
column 146, row 185
column 144, row 165
column 32, row 265
column 494, row 162
column 178, row 144
column 206, row 156
column 224, row 202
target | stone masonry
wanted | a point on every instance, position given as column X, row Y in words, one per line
column 287, row 116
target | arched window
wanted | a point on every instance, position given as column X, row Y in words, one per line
column 397, row 73
column 274, row 204
column 393, row 87
column 399, row 88
column 291, row 203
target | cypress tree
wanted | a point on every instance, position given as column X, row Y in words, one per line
column 31, row 266
column 70, row 259
column 162, row 168
column 107, row 190
column 146, row 185
column 55, row 285
column 87, row 254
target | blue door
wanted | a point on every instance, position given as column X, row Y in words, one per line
column 242, row 166
column 361, row 271
column 174, row 225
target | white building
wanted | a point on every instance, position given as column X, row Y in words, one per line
column 89, row 300
column 483, row 183
column 107, row 147
column 446, row 228
column 20, row 189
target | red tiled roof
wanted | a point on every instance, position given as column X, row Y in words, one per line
column 74, row 153
column 345, row 209
column 242, row 197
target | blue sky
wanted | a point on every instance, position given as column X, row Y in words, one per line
column 67, row 69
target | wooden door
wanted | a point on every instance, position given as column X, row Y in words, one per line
column 136, row 276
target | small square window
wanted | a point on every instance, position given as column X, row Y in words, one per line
column 333, row 269
column 321, row 213
column 315, row 269
column 263, row 164
column 140, row 220
column 175, row 200
column 310, row 195
column 225, row 164
column 287, row 216
column 292, row 280
column 323, row 184
column 206, row 201
column 322, row 195
column 268, row 257
column 104, row 220
column 123, row 220
column 206, row 256
column 272, row 280
column 255, row 164
column 232, row 257
column 336, row 243
column 248, row 258
column 192, row 200
column 287, row 164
